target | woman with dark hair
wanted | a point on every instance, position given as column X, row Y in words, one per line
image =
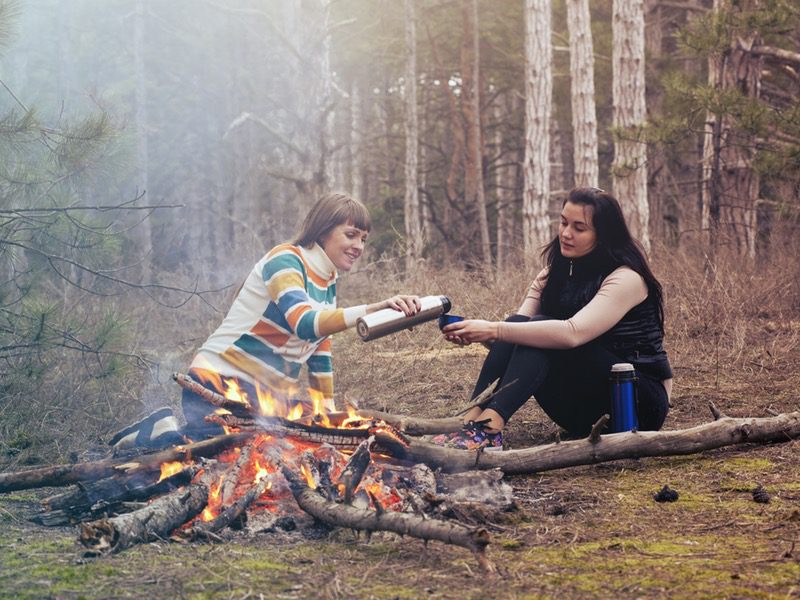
column 281, row 319
column 595, row 303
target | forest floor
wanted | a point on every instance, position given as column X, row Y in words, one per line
column 592, row 531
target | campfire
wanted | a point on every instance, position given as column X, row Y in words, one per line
column 275, row 465
column 279, row 466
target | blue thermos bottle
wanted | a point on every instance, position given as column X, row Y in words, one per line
column 624, row 398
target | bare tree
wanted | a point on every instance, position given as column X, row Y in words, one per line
column 730, row 184
column 473, row 160
column 414, row 241
column 584, row 117
column 538, row 108
column 630, row 113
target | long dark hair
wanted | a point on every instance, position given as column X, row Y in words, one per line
column 615, row 247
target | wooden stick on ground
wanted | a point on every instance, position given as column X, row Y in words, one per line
column 151, row 523
column 340, row 515
column 725, row 431
column 61, row 475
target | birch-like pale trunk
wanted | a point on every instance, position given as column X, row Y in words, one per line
column 584, row 113
column 630, row 114
column 538, row 108
column 411, row 204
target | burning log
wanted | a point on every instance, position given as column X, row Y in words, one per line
column 112, row 495
column 239, row 409
column 233, row 513
column 153, row 522
column 354, row 470
column 61, row 475
column 725, row 431
column 340, row 515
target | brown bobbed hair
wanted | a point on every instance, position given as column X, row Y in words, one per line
column 330, row 211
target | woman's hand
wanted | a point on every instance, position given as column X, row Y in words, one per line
column 471, row 330
column 408, row 304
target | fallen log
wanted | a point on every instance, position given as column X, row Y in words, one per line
column 725, row 431
column 116, row 494
column 474, row 539
column 61, row 475
column 153, row 522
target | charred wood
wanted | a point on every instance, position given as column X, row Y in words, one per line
column 341, row 515
column 114, row 495
column 153, row 522
column 354, row 470
column 61, row 475
column 230, row 515
column 239, row 409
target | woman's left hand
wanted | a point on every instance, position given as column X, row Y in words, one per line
column 471, row 330
column 409, row 304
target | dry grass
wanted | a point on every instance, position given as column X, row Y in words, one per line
column 579, row 532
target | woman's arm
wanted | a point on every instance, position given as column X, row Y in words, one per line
column 532, row 303
column 284, row 277
column 620, row 291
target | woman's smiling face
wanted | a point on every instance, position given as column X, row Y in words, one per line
column 576, row 234
column 344, row 244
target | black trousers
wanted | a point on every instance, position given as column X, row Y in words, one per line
column 571, row 386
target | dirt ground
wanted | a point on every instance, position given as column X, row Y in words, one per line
column 582, row 532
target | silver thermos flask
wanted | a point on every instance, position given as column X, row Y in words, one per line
column 386, row 321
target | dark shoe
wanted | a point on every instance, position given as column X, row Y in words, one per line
column 472, row 437
column 159, row 429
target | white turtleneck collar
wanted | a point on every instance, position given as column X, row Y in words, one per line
column 319, row 261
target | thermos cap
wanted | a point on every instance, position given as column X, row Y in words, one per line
column 622, row 367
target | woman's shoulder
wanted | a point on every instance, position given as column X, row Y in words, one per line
column 627, row 280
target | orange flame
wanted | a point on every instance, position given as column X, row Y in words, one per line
column 234, row 393
column 267, row 405
column 309, row 477
column 168, row 469
column 354, row 420
column 214, row 501
column 320, row 410
column 295, row 413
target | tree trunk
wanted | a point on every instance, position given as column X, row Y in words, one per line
column 730, row 184
column 474, row 192
column 142, row 148
column 538, row 108
column 506, row 171
column 584, row 114
column 630, row 113
column 413, row 225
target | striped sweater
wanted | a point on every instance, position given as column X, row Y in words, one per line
column 280, row 320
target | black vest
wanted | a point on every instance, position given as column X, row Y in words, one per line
column 637, row 338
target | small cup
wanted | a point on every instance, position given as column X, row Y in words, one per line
column 446, row 320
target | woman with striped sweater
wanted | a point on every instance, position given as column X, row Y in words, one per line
column 281, row 320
